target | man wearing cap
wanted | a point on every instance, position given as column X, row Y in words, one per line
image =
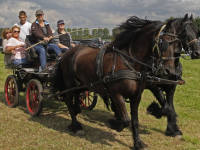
column 24, row 25
column 41, row 31
column 64, row 41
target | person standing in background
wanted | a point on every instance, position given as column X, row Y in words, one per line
column 25, row 26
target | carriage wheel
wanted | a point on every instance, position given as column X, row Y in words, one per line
column 88, row 100
column 11, row 91
column 34, row 100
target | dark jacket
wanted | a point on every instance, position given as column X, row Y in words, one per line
column 38, row 33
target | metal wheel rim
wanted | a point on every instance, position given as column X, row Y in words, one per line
column 86, row 99
column 32, row 97
column 10, row 91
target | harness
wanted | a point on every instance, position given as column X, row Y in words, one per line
column 129, row 73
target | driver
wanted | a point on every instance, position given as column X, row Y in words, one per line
column 41, row 30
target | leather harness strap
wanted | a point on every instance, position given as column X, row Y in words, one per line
column 99, row 62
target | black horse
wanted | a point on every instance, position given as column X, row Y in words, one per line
column 117, row 74
column 188, row 34
column 184, row 31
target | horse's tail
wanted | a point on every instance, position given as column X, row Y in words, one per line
column 57, row 82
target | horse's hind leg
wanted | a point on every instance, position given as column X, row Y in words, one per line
column 75, row 125
column 76, row 105
column 120, row 106
column 138, row 143
column 172, row 127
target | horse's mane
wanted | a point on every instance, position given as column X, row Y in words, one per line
column 131, row 29
column 183, row 21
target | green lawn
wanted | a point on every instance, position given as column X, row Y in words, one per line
column 49, row 130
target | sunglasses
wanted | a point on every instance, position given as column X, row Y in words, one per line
column 61, row 24
column 16, row 31
column 8, row 32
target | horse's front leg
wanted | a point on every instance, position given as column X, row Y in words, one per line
column 120, row 107
column 154, row 109
column 138, row 143
column 172, row 127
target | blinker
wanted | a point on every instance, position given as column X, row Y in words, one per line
column 163, row 45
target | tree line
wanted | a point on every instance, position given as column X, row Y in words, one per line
column 103, row 33
column 80, row 33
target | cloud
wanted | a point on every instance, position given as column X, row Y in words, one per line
column 98, row 13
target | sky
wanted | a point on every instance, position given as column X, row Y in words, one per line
column 95, row 13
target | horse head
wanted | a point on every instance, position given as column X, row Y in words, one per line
column 189, row 36
column 167, row 43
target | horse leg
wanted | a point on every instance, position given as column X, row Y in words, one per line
column 119, row 125
column 154, row 109
column 172, row 127
column 138, row 143
column 76, row 105
column 116, row 113
column 75, row 125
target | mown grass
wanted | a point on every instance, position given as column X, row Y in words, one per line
column 49, row 130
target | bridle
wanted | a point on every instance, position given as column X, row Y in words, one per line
column 187, row 43
column 181, row 43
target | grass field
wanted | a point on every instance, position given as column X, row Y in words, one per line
column 49, row 130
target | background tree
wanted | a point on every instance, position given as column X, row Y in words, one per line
column 115, row 31
column 80, row 33
column 94, row 33
column 1, row 31
column 106, row 33
column 170, row 18
column 74, row 33
column 69, row 30
column 86, row 33
column 197, row 22
column 99, row 32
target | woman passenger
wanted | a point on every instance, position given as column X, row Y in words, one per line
column 6, row 34
column 17, row 47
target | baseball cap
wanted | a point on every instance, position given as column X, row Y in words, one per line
column 39, row 12
column 60, row 22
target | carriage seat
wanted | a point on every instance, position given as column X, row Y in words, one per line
column 32, row 55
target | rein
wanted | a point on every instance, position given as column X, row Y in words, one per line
column 44, row 40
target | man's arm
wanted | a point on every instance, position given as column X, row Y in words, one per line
column 62, row 46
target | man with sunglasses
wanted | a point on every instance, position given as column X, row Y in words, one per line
column 24, row 25
column 41, row 31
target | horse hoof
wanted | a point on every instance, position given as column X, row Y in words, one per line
column 114, row 124
column 80, row 132
column 178, row 137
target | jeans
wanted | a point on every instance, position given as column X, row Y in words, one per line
column 64, row 50
column 20, row 61
column 40, row 50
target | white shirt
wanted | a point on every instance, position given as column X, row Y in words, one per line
column 25, row 30
column 20, row 51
